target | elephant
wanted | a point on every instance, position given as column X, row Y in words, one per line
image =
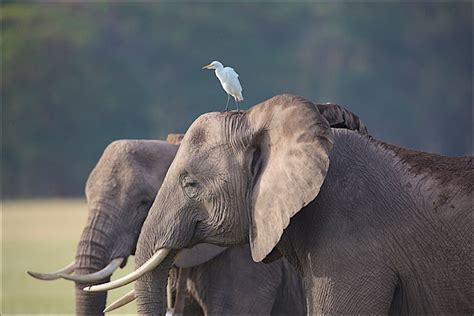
column 119, row 193
column 372, row 228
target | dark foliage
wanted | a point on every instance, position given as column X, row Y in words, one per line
column 77, row 76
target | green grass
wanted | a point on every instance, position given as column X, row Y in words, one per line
column 41, row 235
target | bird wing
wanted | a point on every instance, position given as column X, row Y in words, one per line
column 231, row 72
column 232, row 80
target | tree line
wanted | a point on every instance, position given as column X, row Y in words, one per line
column 76, row 76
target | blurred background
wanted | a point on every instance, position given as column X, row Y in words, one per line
column 76, row 76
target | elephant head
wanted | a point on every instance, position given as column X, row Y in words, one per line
column 229, row 185
column 119, row 192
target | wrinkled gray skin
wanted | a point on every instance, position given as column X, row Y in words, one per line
column 374, row 228
column 119, row 192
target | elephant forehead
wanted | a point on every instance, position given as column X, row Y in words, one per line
column 208, row 129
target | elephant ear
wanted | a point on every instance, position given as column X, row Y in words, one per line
column 340, row 117
column 291, row 141
column 197, row 255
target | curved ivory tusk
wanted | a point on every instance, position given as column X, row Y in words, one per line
column 124, row 300
column 96, row 276
column 148, row 266
column 52, row 275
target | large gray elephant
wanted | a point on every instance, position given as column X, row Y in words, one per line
column 119, row 194
column 372, row 228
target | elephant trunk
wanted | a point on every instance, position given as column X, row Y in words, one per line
column 92, row 255
column 150, row 289
column 89, row 303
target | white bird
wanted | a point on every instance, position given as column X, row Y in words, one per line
column 229, row 80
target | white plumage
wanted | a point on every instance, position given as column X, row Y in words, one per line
column 229, row 80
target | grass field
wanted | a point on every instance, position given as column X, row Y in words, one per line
column 41, row 235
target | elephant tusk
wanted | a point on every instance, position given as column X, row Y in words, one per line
column 96, row 276
column 124, row 300
column 148, row 266
column 53, row 275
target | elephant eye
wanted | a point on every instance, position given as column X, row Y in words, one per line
column 145, row 204
column 190, row 187
column 190, row 183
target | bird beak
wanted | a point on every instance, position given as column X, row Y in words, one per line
column 206, row 67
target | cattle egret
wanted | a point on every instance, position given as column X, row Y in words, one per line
column 229, row 80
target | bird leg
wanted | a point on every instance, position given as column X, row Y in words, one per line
column 227, row 105
column 237, row 105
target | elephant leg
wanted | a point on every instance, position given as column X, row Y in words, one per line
column 181, row 291
column 184, row 303
column 192, row 307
